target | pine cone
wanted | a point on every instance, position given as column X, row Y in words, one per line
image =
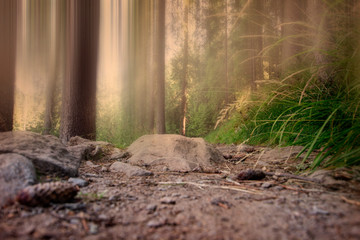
column 250, row 174
column 45, row 193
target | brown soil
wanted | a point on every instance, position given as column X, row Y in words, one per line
column 196, row 206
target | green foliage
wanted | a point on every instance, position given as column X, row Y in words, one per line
column 302, row 113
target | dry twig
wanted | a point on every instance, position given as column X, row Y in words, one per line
column 201, row 185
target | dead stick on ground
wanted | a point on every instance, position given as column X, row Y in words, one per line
column 357, row 203
column 288, row 175
column 200, row 185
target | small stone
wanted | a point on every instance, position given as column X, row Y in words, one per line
column 151, row 208
column 155, row 223
column 78, row 182
column 74, row 221
column 104, row 169
column 74, row 206
column 266, row 185
column 176, row 195
column 129, row 170
column 168, row 200
column 93, row 228
column 319, row 211
column 91, row 164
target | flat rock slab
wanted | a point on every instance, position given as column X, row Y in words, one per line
column 174, row 153
column 47, row 153
column 16, row 173
column 129, row 170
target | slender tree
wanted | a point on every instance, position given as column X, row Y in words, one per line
column 185, row 70
column 159, row 65
column 79, row 90
column 8, row 23
column 291, row 31
column 55, row 62
column 226, row 67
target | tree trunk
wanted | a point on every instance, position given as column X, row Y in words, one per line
column 316, row 11
column 8, row 26
column 226, row 67
column 184, row 79
column 55, row 64
column 159, row 75
column 79, row 90
column 292, row 15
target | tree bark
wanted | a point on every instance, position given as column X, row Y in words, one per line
column 79, row 90
column 159, row 51
column 184, row 78
column 8, row 28
column 226, row 67
column 55, row 64
column 292, row 15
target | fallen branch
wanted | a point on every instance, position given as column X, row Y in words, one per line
column 357, row 203
column 201, row 185
column 288, row 175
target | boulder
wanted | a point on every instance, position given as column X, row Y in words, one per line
column 16, row 173
column 129, row 170
column 47, row 153
column 174, row 153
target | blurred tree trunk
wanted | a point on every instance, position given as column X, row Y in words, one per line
column 150, row 64
column 8, row 28
column 292, row 15
column 159, row 65
column 226, row 67
column 255, row 43
column 55, row 63
column 79, row 91
column 320, row 38
column 185, row 71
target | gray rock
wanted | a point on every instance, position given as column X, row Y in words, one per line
column 266, row 185
column 129, row 170
column 88, row 149
column 151, row 208
column 47, row 153
column 16, row 173
column 174, row 152
column 78, row 181
column 168, row 200
column 118, row 154
column 91, row 164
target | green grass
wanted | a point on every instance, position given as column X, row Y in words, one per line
column 300, row 114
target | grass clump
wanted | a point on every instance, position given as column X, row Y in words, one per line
column 305, row 113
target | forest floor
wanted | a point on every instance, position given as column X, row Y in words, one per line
column 199, row 205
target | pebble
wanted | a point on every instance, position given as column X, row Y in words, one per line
column 74, row 221
column 78, row 181
column 176, row 195
column 91, row 164
column 266, row 185
column 155, row 223
column 151, row 208
column 168, row 200
column 93, row 228
column 104, row 169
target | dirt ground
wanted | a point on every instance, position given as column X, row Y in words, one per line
column 197, row 205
